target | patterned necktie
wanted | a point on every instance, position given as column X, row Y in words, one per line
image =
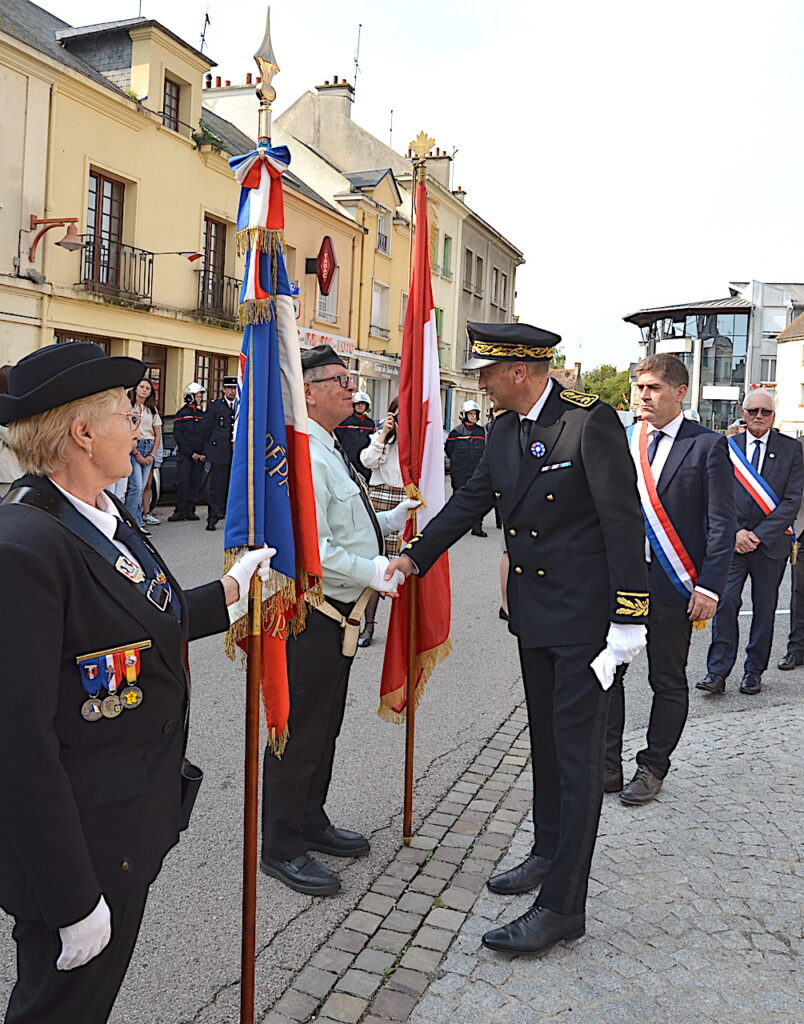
column 755, row 454
column 654, row 445
column 361, row 486
column 158, row 588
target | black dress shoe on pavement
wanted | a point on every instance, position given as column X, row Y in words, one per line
column 536, row 932
column 211, row 526
column 752, row 683
column 192, row 518
column 790, row 660
column 642, row 788
column 613, row 782
column 177, row 517
column 523, row 878
column 478, row 532
column 304, row 874
column 503, row 614
column 712, row 683
column 338, row 842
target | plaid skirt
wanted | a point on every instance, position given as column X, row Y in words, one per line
column 384, row 498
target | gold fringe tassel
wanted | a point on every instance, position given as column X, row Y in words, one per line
column 263, row 239
column 255, row 311
column 701, row 623
column 412, row 491
column 426, row 663
column 278, row 743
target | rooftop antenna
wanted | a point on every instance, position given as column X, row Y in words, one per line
column 391, row 131
column 357, row 56
column 204, row 30
column 139, row 9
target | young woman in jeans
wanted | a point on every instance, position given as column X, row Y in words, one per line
column 143, row 405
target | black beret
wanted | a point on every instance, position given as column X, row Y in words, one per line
column 321, row 355
column 494, row 343
column 62, row 373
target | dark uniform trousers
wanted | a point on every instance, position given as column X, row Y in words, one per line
column 795, row 642
column 85, row 995
column 295, row 787
column 766, row 576
column 189, row 477
column 567, row 710
column 669, row 631
column 219, row 474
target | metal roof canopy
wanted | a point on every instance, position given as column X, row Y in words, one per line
column 643, row 317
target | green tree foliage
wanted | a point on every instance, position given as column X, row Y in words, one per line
column 559, row 360
column 612, row 385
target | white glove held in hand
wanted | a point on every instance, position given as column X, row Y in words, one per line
column 82, row 941
column 398, row 516
column 623, row 644
column 378, row 580
column 258, row 561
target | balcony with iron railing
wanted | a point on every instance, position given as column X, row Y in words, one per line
column 382, row 242
column 379, row 332
column 218, row 295
column 111, row 268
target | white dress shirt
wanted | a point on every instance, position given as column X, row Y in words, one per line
column 763, row 448
column 537, row 408
column 105, row 518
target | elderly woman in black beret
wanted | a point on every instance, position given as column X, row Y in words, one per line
column 94, row 687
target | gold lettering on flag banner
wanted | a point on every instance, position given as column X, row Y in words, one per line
column 276, row 460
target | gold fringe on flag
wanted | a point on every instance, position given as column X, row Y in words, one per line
column 255, row 311
column 412, row 491
column 701, row 623
column 426, row 662
column 264, row 239
column 278, row 743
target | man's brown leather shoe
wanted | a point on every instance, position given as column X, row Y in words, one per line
column 642, row 788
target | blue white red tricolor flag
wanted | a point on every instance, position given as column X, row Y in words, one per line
column 421, row 460
column 271, row 499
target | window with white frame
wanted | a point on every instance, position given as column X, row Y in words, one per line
column 468, row 269
column 503, row 298
column 480, row 274
column 495, row 286
column 767, row 369
column 446, row 257
column 383, row 233
column 379, row 310
column 327, row 305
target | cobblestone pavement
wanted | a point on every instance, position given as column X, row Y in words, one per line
column 693, row 914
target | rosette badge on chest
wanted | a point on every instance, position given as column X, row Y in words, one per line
column 538, row 450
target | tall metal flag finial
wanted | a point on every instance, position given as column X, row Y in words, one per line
column 266, row 62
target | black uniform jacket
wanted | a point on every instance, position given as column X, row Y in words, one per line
column 186, row 429
column 696, row 489
column 783, row 471
column 464, row 446
column 87, row 807
column 574, row 534
column 216, row 432
column 354, row 434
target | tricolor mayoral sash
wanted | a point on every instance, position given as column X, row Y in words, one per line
column 664, row 541
column 754, row 483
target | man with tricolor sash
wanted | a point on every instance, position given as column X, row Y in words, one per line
column 685, row 489
column 768, row 479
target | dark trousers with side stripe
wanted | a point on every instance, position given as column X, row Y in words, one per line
column 85, row 995
column 567, row 711
column 295, row 788
column 218, row 490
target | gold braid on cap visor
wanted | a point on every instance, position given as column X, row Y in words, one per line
column 497, row 351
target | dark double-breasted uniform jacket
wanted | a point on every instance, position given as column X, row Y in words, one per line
column 572, row 522
column 464, row 446
column 86, row 807
column 783, row 471
column 217, row 432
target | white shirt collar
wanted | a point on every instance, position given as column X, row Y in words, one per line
column 669, row 429
column 762, row 440
column 537, row 408
column 105, row 519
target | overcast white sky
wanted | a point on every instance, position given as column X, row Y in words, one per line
column 638, row 153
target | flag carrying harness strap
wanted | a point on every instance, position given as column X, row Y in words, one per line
column 350, row 624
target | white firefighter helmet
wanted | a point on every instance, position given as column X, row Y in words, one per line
column 469, row 406
column 194, row 389
column 361, row 396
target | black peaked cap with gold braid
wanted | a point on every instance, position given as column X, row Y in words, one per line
column 495, row 343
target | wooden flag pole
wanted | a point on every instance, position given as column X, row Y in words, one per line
column 410, row 701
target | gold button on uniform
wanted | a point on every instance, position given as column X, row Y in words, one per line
column 518, row 570
column 540, row 572
column 534, row 533
column 551, row 497
column 512, row 532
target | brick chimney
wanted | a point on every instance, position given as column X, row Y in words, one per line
column 337, row 96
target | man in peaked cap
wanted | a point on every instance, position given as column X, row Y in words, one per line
column 217, row 436
column 557, row 465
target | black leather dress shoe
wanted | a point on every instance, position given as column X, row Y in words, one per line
column 790, row 660
column 304, row 874
column 479, row 532
column 523, row 878
column 613, row 782
column 536, row 932
column 338, row 842
column 503, row 614
column 712, row 683
column 642, row 788
column 211, row 525
column 752, row 683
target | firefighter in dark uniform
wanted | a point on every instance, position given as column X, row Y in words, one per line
column 464, row 446
column 189, row 457
column 94, row 691
column 354, row 433
column 558, row 465
column 217, row 437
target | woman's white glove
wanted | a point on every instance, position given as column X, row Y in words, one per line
column 378, row 580
column 623, row 644
column 82, row 941
column 398, row 516
column 258, row 561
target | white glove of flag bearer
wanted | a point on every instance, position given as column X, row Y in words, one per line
column 398, row 516
column 378, row 580
column 258, row 561
column 623, row 644
column 82, row 941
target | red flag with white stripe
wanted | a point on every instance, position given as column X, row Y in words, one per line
column 421, row 459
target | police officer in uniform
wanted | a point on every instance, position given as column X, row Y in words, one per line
column 464, row 446
column 217, row 437
column 355, row 432
column 558, row 465
column 189, row 457
column 94, row 689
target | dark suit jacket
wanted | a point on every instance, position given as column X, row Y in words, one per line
column 215, row 432
column 697, row 491
column 575, row 535
column 86, row 807
column 783, row 470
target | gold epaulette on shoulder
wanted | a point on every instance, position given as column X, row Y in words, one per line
column 580, row 398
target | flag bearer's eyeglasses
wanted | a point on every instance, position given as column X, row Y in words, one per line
column 342, row 378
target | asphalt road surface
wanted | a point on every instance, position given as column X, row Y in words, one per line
column 188, row 952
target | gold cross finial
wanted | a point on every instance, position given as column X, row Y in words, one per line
column 422, row 145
